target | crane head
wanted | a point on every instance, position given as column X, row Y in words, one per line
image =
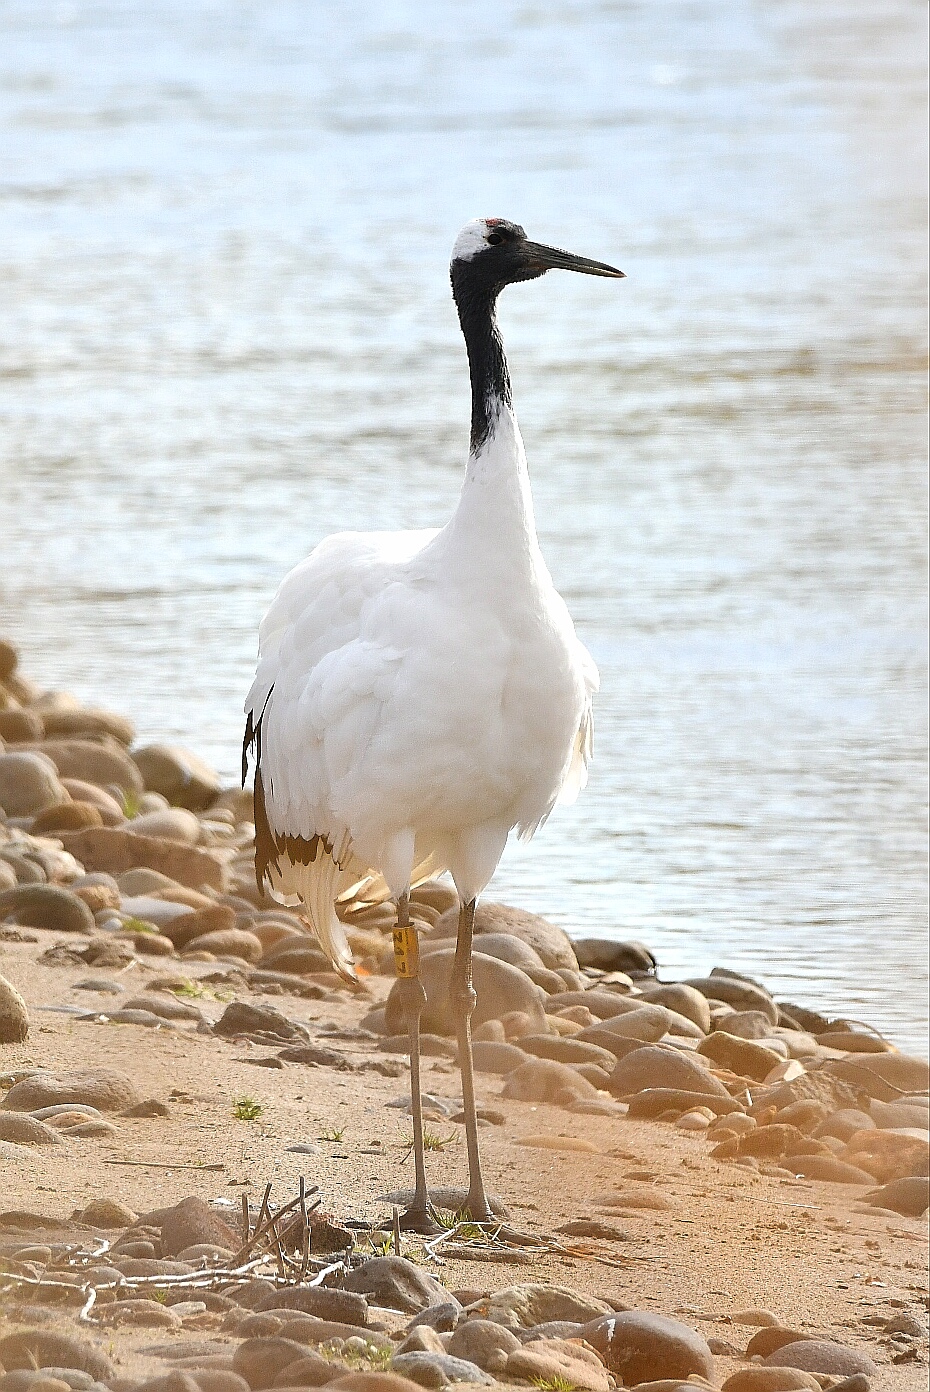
column 499, row 253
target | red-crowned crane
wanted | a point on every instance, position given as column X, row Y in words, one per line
column 420, row 694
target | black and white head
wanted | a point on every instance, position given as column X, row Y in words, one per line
column 490, row 253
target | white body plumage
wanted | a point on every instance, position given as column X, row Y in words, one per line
column 420, row 695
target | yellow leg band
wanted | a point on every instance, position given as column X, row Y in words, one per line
column 406, row 952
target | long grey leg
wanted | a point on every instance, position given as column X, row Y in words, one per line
column 462, row 998
column 419, row 1216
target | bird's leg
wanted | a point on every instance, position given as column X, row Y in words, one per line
column 419, row 1215
column 462, row 998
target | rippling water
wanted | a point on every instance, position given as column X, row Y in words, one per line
column 224, row 232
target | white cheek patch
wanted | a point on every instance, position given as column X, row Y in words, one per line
column 471, row 240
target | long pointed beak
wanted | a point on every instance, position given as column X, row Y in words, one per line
column 554, row 259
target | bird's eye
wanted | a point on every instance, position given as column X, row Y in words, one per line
column 494, row 238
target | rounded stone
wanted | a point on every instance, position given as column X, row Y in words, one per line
column 397, row 1284
column 549, row 1361
column 660, row 1066
column 185, row 927
column 20, row 726
column 742, row 1056
column 180, row 776
column 25, row 1130
column 771, row 1380
column 47, row 906
column 345, row 1307
column 103, row 1088
column 646, row 1023
column 823, row 1356
column 639, row 1346
column 191, row 1221
column 107, row 1213
column 737, row 992
column 551, row 943
column 496, row 1056
column 169, row 824
column 28, row 782
column 608, row 955
column 373, row 1382
column 104, row 763
column 684, row 1000
column 229, row 942
column 534, row 1303
column 14, row 1017
column 89, row 723
column 545, row 1080
column 501, row 990
column 909, row 1197
column 260, row 1361
column 435, row 1370
column 483, row 1342
column 110, row 810
column 66, row 816
column 39, row 1348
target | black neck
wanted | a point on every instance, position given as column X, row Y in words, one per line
column 490, row 381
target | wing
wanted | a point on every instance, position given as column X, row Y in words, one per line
column 310, row 713
column 577, row 775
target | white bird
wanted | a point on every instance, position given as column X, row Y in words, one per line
column 421, row 694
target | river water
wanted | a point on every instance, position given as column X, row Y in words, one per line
column 226, row 332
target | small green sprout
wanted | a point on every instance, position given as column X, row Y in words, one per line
column 247, row 1109
column 332, row 1133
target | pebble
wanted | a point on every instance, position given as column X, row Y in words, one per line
column 179, row 775
column 645, row 1023
column 47, row 906
column 39, row 1348
column 693, row 1121
column 14, row 1016
column 534, row 1303
column 340, row 1306
column 190, row 1222
column 844, row 1123
column 828, row 1169
column 492, row 1056
column 639, row 1346
column 771, row 1380
column 736, row 991
column 110, row 810
column 501, row 989
column 655, row 1102
column 438, row 1369
column 909, row 1197
column 397, row 1284
column 148, row 1314
column 544, row 1080
column 25, row 1130
column 659, row 1066
column 629, row 1198
column 888, row 1155
column 28, row 782
column 107, row 1213
column 229, row 942
column 169, row 823
column 594, row 1227
column 116, row 850
column 760, row 1319
column 741, row 1056
column 257, row 1022
column 608, row 955
column 566, row 1050
column 166, row 1007
column 545, row 1360
column 771, row 1338
column 483, row 1342
column 683, row 1000
column 574, row 1143
column 823, row 1356
column 550, row 943
column 66, row 816
column 260, row 1361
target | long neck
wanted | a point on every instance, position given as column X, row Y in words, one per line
column 493, row 525
column 487, row 364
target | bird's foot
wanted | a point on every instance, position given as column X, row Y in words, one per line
column 420, row 1218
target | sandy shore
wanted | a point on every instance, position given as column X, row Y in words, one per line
column 669, row 1220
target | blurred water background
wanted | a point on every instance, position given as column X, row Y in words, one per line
column 226, row 332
